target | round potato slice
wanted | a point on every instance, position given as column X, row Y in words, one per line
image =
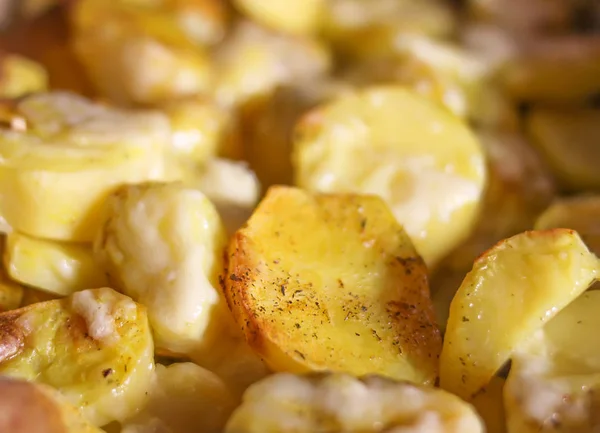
column 55, row 267
column 63, row 155
column 342, row 403
column 35, row 408
column 567, row 140
column 293, row 16
column 513, row 290
column 332, row 282
column 424, row 162
column 95, row 347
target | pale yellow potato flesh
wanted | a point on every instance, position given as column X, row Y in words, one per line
column 332, row 282
column 21, row 76
column 554, row 380
column 55, row 267
column 34, row 408
column 293, row 16
column 135, row 54
column 567, row 140
column 337, row 403
column 511, row 292
column 184, row 398
column 253, row 60
column 94, row 347
column 163, row 245
column 62, row 157
column 389, row 141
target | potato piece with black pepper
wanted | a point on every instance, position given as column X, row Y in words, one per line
column 94, row 346
column 332, row 282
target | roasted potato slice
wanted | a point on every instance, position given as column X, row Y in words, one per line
column 336, row 402
column 332, row 282
column 572, row 61
column 292, row 16
column 513, row 290
column 580, row 213
column 54, row 267
column 163, row 244
column 386, row 140
column 136, row 55
column 254, row 60
column 554, row 379
column 35, row 408
column 362, row 29
column 567, row 139
column 95, row 347
column 21, row 76
column 185, row 398
column 62, row 157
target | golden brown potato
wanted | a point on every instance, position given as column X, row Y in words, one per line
column 94, row 346
column 337, row 403
column 332, row 282
column 513, row 290
column 555, row 70
column 490, row 406
column 568, row 142
column 34, row 408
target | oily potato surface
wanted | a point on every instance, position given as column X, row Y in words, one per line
column 332, row 282
column 513, row 289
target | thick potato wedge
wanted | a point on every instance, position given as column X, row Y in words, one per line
column 185, row 398
column 21, row 76
column 555, row 70
column 95, row 347
column 362, row 29
column 332, row 282
column 163, row 245
column 567, row 139
column 423, row 161
column 513, row 290
column 54, row 267
column 35, row 408
column 292, row 16
column 136, row 55
column 253, row 61
column 579, row 213
column 63, row 156
column 335, row 402
column 554, row 379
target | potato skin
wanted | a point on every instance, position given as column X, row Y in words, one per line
column 285, row 286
